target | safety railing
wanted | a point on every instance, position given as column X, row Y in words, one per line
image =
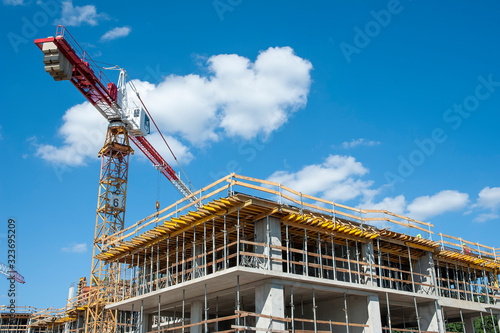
column 62, row 32
column 273, row 191
column 463, row 246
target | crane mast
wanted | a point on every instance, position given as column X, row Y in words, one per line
column 64, row 59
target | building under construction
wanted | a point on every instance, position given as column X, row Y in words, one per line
column 252, row 255
column 245, row 254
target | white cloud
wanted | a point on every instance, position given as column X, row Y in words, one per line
column 425, row 207
column 237, row 98
column 359, row 142
column 83, row 132
column 181, row 151
column 486, row 217
column 489, row 198
column 76, row 15
column 395, row 205
column 13, row 2
column 75, row 248
column 115, row 33
column 337, row 178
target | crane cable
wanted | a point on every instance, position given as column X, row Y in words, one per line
column 161, row 134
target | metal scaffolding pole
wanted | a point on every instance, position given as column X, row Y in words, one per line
column 194, row 266
column 238, row 240
column 348, row 259
column 124, row 278
column 167, row 271
column 287, row 250
column 346, row 313
column 314, row 312
column 438, row 270
column 214, row 254
column 132, row 318
column 379, row 263
column 416, row 314
column 411, row 273
column 486, row 283
column 305, row 259
column 144, row 272
column 462, row 319
column 205, row 248
column 320, row 257
column 158, row 322
column 493, row 321
column 292, row 309
column 476, row 282
column 177, row 259
column 151, row 270
column 302, row 311
column 206, row 309
column 225, row 243
column 238, row 298
column 141, row 325
column 138, row 273
column 482, row 322
column 357, row 262
column 217, row 313
column 388, row 312
column 470, row 284
column 389, row 271
column 333, row 259
column 400, row 274
column 448, row 280
column 183, row 309
column 457, row 281
column 183, row 255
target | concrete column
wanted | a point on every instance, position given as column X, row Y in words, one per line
column 427, row 267
column 275, row 235
column 469, row 324
column 364, row 310
column 196, row 316
column 147, row 323
column 431, row 317
column 368, row 257
column 269, row 300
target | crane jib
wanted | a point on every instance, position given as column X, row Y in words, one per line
column 64, row 59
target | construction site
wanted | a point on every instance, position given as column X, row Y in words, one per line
column 245, row 254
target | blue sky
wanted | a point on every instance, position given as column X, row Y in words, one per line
column 372, row 104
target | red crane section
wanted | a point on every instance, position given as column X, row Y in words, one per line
column 89, row 79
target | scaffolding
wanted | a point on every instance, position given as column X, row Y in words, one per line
column 211, row 264
column 318, row 240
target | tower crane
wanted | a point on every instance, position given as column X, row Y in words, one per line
column 64, row 59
